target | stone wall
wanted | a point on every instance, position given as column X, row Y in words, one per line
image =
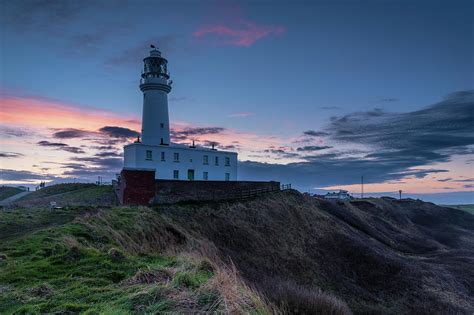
column 170, row 191
column 139, row 187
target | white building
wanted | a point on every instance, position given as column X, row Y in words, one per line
column 340, row 195
column 155, row 151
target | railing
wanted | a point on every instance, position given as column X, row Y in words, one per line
column 249, row 193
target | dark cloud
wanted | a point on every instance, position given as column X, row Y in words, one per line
column 401, row 143
column 109, row 154
column 73, row 150
column 70, row 133
column 445, row 180
column 101, row 163
column 313, row 133
column 15, row 175
column 192, row 133
column 468, row 186
column 313, row 148
column 282, row 153
column 445, row 125
column 45, row 143
column 61, row 146
column 119, row 132
column 10, row 155
column 104, row 147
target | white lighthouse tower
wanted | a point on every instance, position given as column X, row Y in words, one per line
column 155, row 152
column 155, row 85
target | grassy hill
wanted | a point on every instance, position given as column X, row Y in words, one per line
column 70, row 194
column 467, row 208
column 6, row 192
column 281, row 253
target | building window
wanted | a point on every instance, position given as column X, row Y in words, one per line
column 162, row 156
column 149, row 155
column 162, row 125
column 227, row 161
column 227, row 177
column 176, row 157
column 205, row 160
column 217, row 160
column 205, row 175
column 176, row 174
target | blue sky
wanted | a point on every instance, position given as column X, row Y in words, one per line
column 260, row 68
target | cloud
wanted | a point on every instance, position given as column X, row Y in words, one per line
column 41, row 113
column 422, row 134
column 12, row 132
column 109, row 154
column 189, row 133
column 17, row 175
column 313, row 133
column 10, row 155
column 242, row 33
column 61, row 146
column 45, row 143
column 313, row 148
column 70, row 133
column 241, row 115
column 397, row 146
column 119, row 132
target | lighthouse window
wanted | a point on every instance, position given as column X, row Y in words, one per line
column 205, row 175
column 205, row 160
column 149, row 155
column 176, row 157
column 217, row 160
column 162, row 156
column 175, row 174
column 227, row 161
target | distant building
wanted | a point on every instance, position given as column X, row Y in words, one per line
column 155, row 151
column 340, row 195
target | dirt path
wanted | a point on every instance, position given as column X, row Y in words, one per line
column 13, row 198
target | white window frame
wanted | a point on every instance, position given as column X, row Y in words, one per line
column 175, row 174
column 176, row 157
column 227, row 161
column 149, row 157
column 205, row 160
column 205, row 175
column 227, row 177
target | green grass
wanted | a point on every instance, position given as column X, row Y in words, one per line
column 6, row 192
column 467, row 208
column 93, row 261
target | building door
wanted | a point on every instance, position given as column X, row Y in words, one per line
column 191, row 174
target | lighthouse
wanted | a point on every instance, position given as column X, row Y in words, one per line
column 155, row 84
column 156, row 152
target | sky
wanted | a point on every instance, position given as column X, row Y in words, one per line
column 312, row 93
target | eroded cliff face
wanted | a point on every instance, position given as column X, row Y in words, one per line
column 378, row 255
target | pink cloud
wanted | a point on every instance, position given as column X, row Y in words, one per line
column 243, row 33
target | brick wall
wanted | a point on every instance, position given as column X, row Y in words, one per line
column 136, row 187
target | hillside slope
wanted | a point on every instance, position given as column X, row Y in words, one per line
column 380, row 256
column 302, row 254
